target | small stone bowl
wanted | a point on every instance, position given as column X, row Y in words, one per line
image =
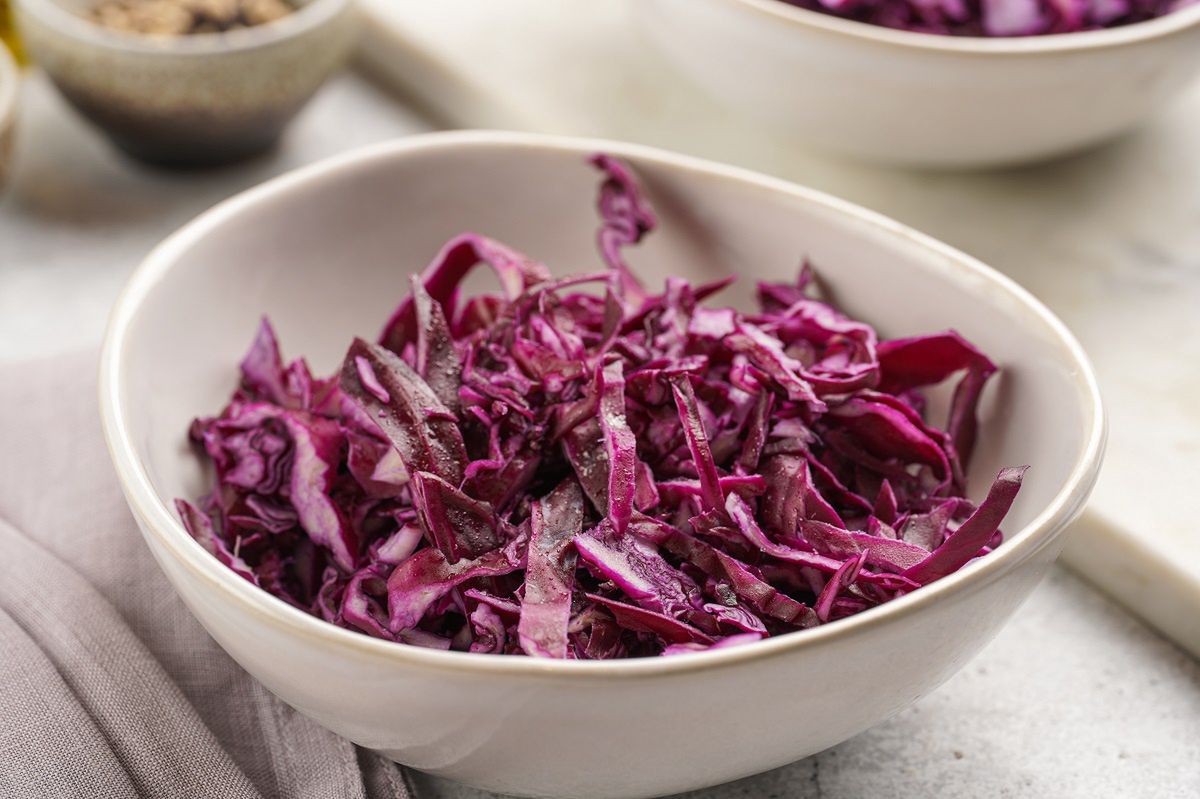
column 191, row 100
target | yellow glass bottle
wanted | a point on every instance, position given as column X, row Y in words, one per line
column 8, row 31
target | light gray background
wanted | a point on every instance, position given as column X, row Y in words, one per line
column 1074, row 699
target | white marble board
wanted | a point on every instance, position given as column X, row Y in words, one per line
column 1109, row 239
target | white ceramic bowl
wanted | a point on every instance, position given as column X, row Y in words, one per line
column 10, row 85
column 922, row 99
column 189, row 100
column 326, row 252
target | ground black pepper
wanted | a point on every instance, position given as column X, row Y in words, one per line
column 186, row 17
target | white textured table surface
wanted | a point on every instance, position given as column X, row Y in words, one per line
column 1074, row 699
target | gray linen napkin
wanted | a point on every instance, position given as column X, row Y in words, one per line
column 108, row 686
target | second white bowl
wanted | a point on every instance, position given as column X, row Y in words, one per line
column 922, row 99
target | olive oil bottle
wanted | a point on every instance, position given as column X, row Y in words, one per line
column 8, row 31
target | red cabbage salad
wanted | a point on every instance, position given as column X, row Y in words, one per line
column 581, row 468
column 995, row 17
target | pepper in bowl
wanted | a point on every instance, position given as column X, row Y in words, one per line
column 188, row 82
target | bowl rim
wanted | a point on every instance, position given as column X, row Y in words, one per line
column 161, row 527
column 312, row 15
column 10, row 82
column 1049, row 44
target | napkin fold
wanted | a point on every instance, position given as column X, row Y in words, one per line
column 110, row 687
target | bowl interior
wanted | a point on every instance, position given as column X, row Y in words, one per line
column 326, row 254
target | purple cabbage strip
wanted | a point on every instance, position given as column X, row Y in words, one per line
column 641, row 573
column 711, row 494
column 927, row 360
column 364, row 602
column 556, row 520
column 741, row 581
column 886, row 553
column 417, row 583
column 968, row 541
column 724, row 643
column 200, row 526
column 488, row 629
column 767, row 354
column 420, row 427
column 996, row 18
column 459, row 526
column 262, row 368
column 627, row 218
column 928, row 530
column 563, row 472
column 583, row 446
column 442, row 277
column 841, row 579
column 620, row 446
column 668, row 629
column 437, row 361
column 317, row 448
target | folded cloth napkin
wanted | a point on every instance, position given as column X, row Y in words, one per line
column 110, row 688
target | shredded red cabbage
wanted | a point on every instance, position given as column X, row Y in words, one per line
column 995, row 17
column 564, row 474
